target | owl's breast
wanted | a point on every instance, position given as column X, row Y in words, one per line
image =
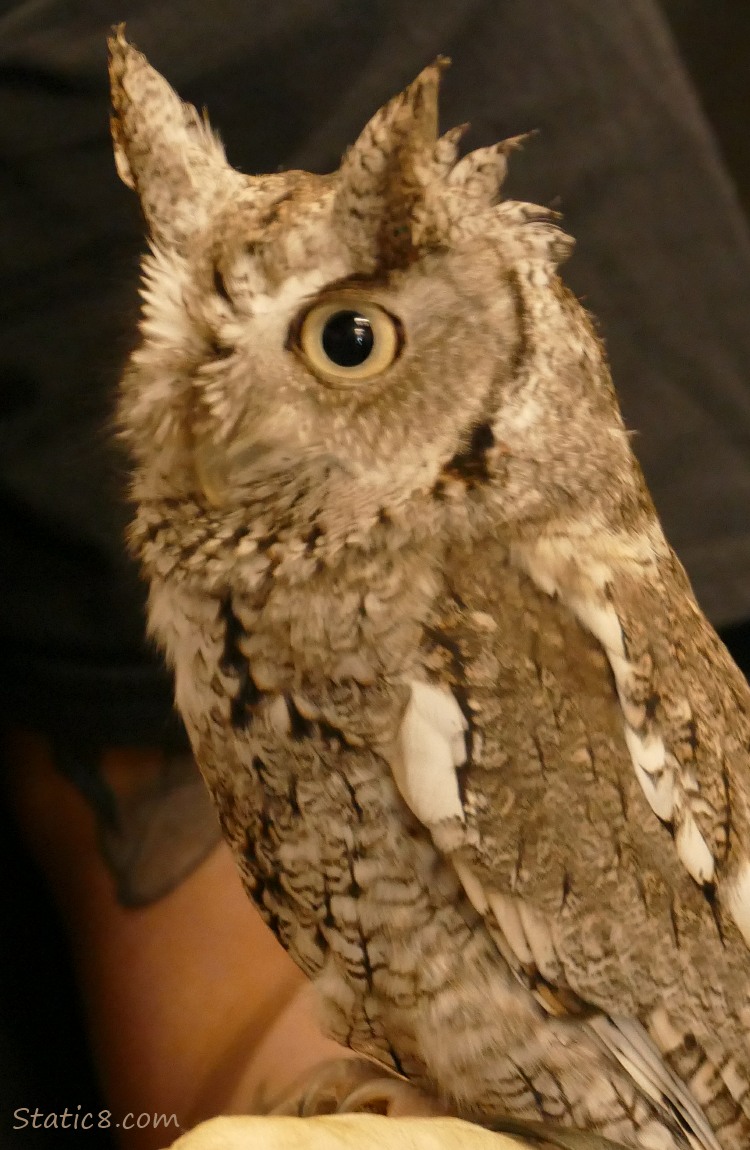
column 348, row 878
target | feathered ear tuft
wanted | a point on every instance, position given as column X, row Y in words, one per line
column 477, row 178
column 164, row 150
column 384, row 177
column 445, row 154
column 402, row 190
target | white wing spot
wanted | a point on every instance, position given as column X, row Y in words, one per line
column 693, row 850
column 737, row 899
column 431, row 744
column 539, row 938
column 602, row 622
column 278, row 715
column 649, row 759
column 649, row 753
column 526, row 937
column 508, row 919
column 473, row 887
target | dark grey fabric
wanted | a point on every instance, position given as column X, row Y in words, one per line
column 714, row 42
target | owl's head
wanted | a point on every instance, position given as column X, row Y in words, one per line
column 393, row 332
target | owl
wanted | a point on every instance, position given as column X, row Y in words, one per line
column 481, row 759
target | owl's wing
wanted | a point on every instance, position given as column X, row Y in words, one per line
column 603, row 911
column 684, row 707
column 429, row 760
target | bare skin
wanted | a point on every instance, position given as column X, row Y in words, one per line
column 193, row 1008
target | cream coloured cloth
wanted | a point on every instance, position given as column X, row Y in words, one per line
column 372, row 1132
column 343, row 1132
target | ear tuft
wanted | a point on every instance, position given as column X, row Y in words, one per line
column 163, row 149
column 445, row 155
column 384, row 176
column 479, row 175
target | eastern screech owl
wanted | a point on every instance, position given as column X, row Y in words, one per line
column 482, row 760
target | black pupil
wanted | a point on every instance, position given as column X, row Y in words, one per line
column 347, row 339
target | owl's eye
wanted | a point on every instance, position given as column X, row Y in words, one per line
column 346, row 342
